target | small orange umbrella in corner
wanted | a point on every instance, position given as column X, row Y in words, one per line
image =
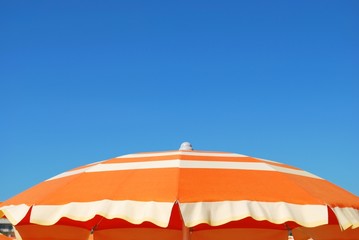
column 3, row 237
column 5, row 226
column 185, row 194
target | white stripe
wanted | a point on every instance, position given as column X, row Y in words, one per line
column 218, row 213
column 295, row 171
column 69, row 173
column 213, row 213
column 347, row 217
column 198, row 164
column 135, row 212
column 14, row 213
column 177, row 163
column 189, row 153
column 266, row 160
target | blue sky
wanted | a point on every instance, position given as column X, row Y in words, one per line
column 86, row 81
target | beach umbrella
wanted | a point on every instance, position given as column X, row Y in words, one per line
column 185, row 194
column 3, row 237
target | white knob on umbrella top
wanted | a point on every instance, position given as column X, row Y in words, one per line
column 186, row 146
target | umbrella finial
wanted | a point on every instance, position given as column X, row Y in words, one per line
column 186, row 146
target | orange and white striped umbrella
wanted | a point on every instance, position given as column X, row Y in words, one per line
column 185, row 194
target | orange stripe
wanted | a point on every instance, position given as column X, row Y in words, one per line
column 187, row 185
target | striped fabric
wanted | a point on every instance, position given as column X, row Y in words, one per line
column 189, row 188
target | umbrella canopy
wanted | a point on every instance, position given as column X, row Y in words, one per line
column 184, row 194
column 3, row 237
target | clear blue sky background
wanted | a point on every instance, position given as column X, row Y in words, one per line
column 84, row 81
